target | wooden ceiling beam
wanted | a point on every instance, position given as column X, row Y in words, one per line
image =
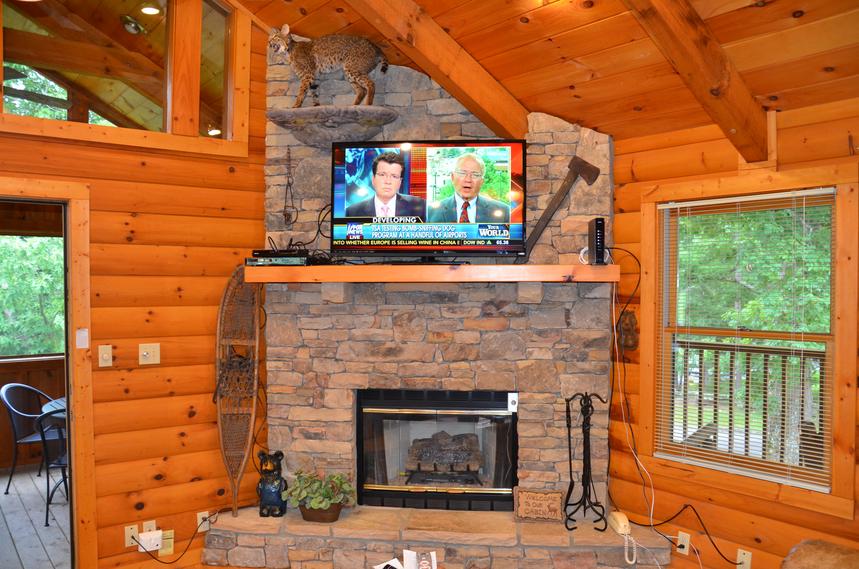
column 96, row 104
column 411, row 30
column 692, row 49
column 60, row 54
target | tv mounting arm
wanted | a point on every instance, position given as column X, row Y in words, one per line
column 577, row 167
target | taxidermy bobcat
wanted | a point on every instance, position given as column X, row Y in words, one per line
column 358, row 56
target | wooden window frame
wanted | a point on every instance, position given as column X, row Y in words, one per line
column 181, row 107
column 844, row 175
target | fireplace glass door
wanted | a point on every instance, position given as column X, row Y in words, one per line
column 443, row 450
column 463, row 453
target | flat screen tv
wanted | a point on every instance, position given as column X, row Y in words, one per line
column 428, row 198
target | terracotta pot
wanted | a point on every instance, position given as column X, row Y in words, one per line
column 323, row 516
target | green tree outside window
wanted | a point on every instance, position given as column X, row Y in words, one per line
column 32, row 296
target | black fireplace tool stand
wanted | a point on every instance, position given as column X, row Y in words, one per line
column 588, row 500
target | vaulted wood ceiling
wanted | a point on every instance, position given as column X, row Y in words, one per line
column 624, row 67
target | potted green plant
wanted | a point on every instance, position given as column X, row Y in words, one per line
column 320, row 499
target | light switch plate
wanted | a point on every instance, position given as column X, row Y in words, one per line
column 149, row 354
column 105, row 355
column 167, row 541
column 149, row 525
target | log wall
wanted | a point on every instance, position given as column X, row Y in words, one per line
column 166, row 231
column 765, row 527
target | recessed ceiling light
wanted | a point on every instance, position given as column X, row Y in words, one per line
column 150, row 9
column 131, row 25
column 213, row 131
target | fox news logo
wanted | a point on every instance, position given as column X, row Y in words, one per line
column 354, row 231
column 490, row 231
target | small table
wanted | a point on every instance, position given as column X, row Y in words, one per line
column 58, row 404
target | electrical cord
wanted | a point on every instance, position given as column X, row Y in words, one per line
column 190, row 540
column 633, row 447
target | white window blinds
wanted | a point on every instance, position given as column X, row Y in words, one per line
column 744, row 352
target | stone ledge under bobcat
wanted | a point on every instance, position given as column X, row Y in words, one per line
column 322, row 125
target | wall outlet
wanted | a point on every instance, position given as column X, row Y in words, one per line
column 744, row 559
column 149, row 354
column 131, row 532
column 166, row 543
column 683, row 541
column 149, row 525
column 202, row 521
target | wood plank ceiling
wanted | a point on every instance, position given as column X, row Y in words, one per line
column 593, row 63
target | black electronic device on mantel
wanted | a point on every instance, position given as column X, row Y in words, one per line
column 596, row 241
column 442, row 198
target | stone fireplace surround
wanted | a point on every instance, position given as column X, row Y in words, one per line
column 546, row 341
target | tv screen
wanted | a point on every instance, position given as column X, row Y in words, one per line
column 427, row 199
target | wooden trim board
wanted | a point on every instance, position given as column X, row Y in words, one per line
column 76, row 198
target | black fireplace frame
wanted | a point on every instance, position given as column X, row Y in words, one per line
column 447, row 400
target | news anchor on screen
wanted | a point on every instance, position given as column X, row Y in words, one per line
column 466, row 205
column 388, row 169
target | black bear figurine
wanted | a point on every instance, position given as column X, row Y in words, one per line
column 271, row 485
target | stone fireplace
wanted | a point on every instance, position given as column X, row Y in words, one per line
column 331, row 344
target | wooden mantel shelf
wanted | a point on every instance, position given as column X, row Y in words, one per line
column 433, row 274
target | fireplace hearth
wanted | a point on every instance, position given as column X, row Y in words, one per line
column 449, row 450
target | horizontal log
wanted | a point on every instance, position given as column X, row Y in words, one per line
column 169, row 441
column 668, row 140
column 42, row 156
column 159, row 471
column 136, row 560
column 154, row 321
column 818, row 141
column 139, row 291
column 158, row 260
column 156, row 502
column 709, row 157
column 113, row 416
column 155, row 229
column 141, row 197
column 147, row 383
column 750, row 502
column 191, row 560
column 175, row 351
column 844, row 108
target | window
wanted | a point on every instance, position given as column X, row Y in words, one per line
column 744, row 348
column 136, row 66
column 213, row 64
column 118, row 71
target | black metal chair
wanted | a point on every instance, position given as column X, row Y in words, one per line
column 52, row 432
column 24, row 405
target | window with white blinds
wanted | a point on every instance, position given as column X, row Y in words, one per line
column 744, row 347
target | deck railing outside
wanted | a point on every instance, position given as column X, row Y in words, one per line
column 750, row 401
